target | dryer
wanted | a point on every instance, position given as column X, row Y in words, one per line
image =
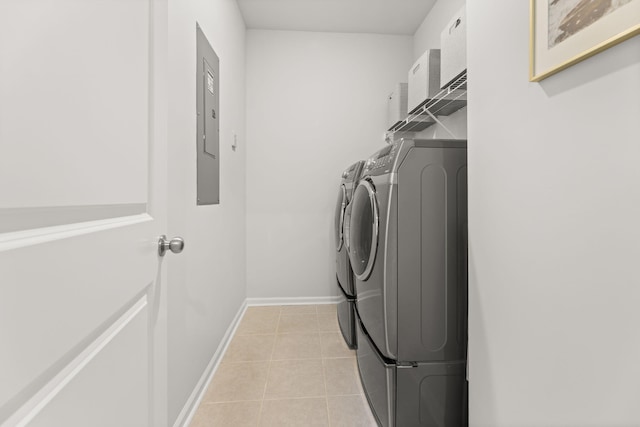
column 408, row 250
column 344, row 273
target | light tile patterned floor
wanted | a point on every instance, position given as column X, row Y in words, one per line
column 286, row 366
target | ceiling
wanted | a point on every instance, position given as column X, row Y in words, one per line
column 344, row 16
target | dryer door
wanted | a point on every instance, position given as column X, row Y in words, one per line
column 363, row 230
column 341, row 205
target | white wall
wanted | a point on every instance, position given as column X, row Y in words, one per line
column 554, row 234
column 428, row 37
column 207, row 281
column 316, row 102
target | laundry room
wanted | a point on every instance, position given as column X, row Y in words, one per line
column 386, row 213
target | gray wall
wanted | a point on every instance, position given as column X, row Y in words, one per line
column 554, row 203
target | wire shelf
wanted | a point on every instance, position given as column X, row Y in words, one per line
column 444, row 103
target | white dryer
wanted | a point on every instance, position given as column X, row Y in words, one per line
column 344, row 273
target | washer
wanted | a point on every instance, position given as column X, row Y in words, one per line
column 344, row 273
column 408, row 250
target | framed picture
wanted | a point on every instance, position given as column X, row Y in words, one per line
column 564, row 32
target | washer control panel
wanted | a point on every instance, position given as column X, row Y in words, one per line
column 382, row 161
column 352, row 173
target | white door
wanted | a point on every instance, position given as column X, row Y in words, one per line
column 82, row 203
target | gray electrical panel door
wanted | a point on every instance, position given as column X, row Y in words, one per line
column 208, row 121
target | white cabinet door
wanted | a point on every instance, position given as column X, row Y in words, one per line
column 82, row 203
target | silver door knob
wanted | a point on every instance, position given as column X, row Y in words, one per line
column 175, row 245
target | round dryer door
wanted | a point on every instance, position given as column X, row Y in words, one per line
column 339, row 219
column 363, row 230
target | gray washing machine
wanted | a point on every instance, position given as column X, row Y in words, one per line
column 408, row 250
column 344, row 273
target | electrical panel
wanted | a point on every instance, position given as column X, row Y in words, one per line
column 208, row 121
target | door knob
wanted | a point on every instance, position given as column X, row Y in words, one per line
column 175, row 245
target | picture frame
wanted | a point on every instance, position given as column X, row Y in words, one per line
column 565, row 32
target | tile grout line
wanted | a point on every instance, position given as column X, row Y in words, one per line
column 297, row 358
column 264, row 392
column 271, row 399
column 310, row 397
column 324, row 375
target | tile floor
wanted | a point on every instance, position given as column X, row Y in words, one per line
column 286, row 366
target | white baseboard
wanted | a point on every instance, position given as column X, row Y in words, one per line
column 292, row 300
column 190, row 407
